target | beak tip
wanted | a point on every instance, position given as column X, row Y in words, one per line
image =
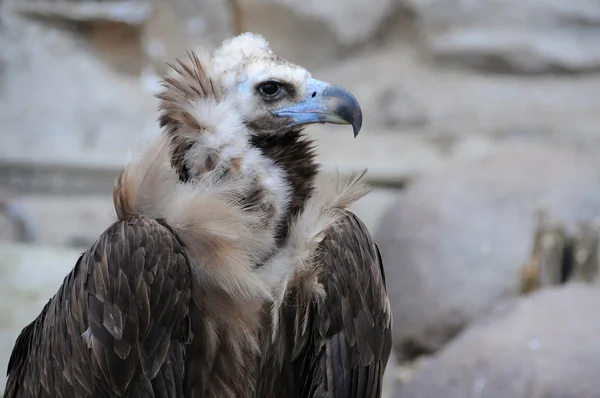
column 357, row 120
column 345, row 106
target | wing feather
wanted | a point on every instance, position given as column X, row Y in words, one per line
column 117, row 326
column 344, row 349
column 358, row 309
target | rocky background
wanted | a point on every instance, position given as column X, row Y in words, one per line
column 480, row 135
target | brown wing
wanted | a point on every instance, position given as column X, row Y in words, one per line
column 337, row 346
column 118, row 325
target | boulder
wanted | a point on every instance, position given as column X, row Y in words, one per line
column 543, row 345
column 454, row 243
column 74, row 221
column 61, row 101
column 401, row 94
column 535, row 36
column 388, row 388
column 313, row 32
column 370, row 209
column 179, row 25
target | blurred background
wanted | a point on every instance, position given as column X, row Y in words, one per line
column 480, row 133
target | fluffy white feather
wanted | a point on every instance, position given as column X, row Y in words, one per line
column 333, row 193
column 220, row 235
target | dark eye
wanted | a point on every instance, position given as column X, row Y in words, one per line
column 269, row 89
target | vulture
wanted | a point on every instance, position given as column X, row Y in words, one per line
column 234, row 268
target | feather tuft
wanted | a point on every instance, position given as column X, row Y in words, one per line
column 295, row 262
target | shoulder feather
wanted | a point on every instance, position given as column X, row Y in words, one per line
column 209, row 219
column 333, row 192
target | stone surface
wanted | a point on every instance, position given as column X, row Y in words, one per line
column 388, row 388
column 513, row 36
column 131, row 12
column 59, row 101
column 180, row 25
column 398, row 109
column 543, row 345
column 15, row 222
column 72, row 221
column 459, row 109
column 454, row 242
column 111, row 30
column 29, row 276
column 313, row 32
column 370, row 209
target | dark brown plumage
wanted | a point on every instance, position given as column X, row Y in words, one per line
column 132, row 290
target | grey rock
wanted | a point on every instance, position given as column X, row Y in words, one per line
column 389, row 381
column 61, row 101
column 179, row 25
column 129, row 12
column 513, row 36
column 75, row 221
column 312, row 32
column 544, row 345
column 21, row 221
column 370, row 209
column 437, row 101
column 397, row 108
column 454, row 242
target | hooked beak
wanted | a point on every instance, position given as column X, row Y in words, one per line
column 324, row 103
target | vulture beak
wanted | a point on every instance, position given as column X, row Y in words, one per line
column 324, row 103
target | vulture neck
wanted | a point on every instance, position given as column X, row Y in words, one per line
column 294, row 152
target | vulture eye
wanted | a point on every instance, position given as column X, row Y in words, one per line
column 269, row 89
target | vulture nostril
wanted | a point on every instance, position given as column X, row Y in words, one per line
column 314, row 94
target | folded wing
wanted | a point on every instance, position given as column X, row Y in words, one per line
column 118, row 325
column 334, row 336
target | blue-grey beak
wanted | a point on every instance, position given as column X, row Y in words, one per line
column 324, row 103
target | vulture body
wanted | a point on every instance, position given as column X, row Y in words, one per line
column 224, row 225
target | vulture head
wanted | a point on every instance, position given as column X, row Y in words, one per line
column 235, row 119
column 273, row 95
